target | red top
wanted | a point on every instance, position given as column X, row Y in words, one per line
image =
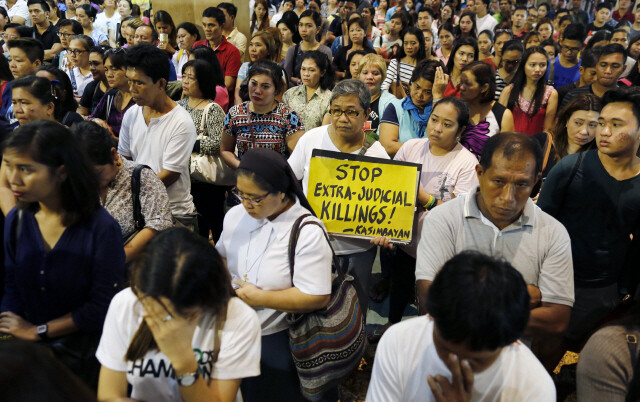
column 452, row 91
column 527, row 123
column 228, row 56
column 628, row 16
column 488, row 60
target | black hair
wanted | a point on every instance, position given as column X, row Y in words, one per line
column 520, row 7
column 604, row 4
column 447, row 26
column 95, row 141
column 100, row 49
column 613, row 48
column 586, row 102
column 181, row 266
column 405, row 20
column 206, row 82
column 484, row 74
column 5, row 70
column 621, row 30
column 599, row 36
column 229, row 8
column 629, row 95
column 76, row 27
column 491, row 312
column 87, row 42
column 52, row 144
column 520, row 80
column 574, row 32
column 190, row 28
column 42, row 3
column 205, row 53
column 510, row 145
column 290, row 19
column 426, row 69
column 460, row 106
column 457, row 45
column 90, row 11
column 511, row 45
column 487, row 32
column 64, row 90
column 565, row 18
column 214, row 12
column 165, row 18
column 545, row 4
column 422, row 51
column 43, row 90
column 474, row 28
column 351, row 55
column 362, row 24
column 3, row 12
column 324, row 65
column 117, row 57
column 317, row 19
column 270, row 69
column 427, row 9
column 589, row 58
column 32, row 48
column 550, row 42
column 151, row 60
column 623, row 23
column 24, row 31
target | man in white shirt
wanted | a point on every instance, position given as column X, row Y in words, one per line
column 484, row 20
column 156, row 131
column 467, row 348
column 350, row 108
column 229, row 30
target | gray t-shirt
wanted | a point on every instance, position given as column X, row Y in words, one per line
column 537, row 245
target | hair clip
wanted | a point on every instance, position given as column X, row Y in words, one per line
column 54, row 83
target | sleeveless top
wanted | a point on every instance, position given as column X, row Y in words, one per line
column 474, row 137
column 523, row 120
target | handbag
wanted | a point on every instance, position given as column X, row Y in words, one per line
column 138, row 217
column 326, row 344
column 208, row 168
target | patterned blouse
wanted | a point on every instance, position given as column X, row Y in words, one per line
column 153, row 200
column 212, row 134
column 268, row 130
column 310, row 112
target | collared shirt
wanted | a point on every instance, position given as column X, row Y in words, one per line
column 228, row 56
column 19, row 9
column 239, row 40
column 312, row 111
column 536, row 244
column 48, row 38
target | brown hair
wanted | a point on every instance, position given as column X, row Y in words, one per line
column 588, row 102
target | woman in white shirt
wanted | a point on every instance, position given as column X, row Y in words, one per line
column 254, row 241
column 177, row 334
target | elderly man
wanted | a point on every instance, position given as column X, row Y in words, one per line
column 499, row 219
column 350, row 108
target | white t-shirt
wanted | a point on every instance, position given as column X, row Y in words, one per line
column 257, row 252
column 178, row 64
column 153, row 377
column 406, row 355
column 486, row 22
column 78, row 81
column 105, row 24
column 300, row 160
column 166, row 143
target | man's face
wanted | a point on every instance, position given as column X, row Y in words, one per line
column 506, row 186
column 424, row 21
column 212, row 30
column 38, row 14
column 576, row 4
column 288, row 6
column 618, row 132
column 609, row 69
column 143, row 35
column 504, row 6
column 532, row 16
column 20, row 64
column 519, row 18
column 478, row 360
column 143, row 91
column 344, row 125
column 588, row 75
column 228, row 20
column 570, row 49
column 471, row 6
column 621, row 38
column 603, row 15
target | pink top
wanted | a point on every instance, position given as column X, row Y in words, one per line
column 222, row 98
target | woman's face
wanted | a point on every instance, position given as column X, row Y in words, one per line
column 356, row 34
column 542, row 12
column 634, row 49
column 470, row 91
column 78, row 54
column 262, row 90
column 410, row 5
column 428, row 41
column 300, row 4
column 83, row 18
column 260, row 11
column 27, row 108
column 116, row 77
column 129, row 34
column 70, row 4
column 534, row 40
column 445, row 13
column 163, row 28
column 446, row 39
column 354, row 64
column 463, row 56
column 466, row 24
column 30, row 181
column 285, row 33
column 313, row 6
column 395, row 26
column 257, row 49
column 420, row 92
column 545, row 30
column 366, row 14
column 268, row 205
column 123, row 9
column 442, row 128
column 500, row 40
column 96, row 66
column 484, row 44
column 581, row 127
column 307, row 28
column 411, row 45
column 190, row 83
column 535, row 66
column 107, row 173
column 310, row 73
column 383, row 4
column 372, row 77
column 185, row 39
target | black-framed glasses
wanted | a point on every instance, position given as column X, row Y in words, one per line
column 65, row 35
column 351, row 114
column 252, row 201
column 76, row 52
column 570, row 49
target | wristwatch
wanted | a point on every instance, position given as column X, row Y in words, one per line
column 41, row 331
column 188, row 379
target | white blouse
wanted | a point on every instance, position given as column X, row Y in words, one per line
column 257, row 252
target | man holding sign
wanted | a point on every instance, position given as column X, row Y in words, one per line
column 350, row 107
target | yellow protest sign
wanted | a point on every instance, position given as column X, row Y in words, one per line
column 359, row 196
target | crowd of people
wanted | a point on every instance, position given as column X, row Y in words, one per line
column 152, row 175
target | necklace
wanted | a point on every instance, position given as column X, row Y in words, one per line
column 196, row 106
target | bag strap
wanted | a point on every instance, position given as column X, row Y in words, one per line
column 552, row 69
column 547, row 149
column 634, row 385
column 138, row 218
column 73, row 80
column 217, row 336
column 110, row 100
column 205, row 113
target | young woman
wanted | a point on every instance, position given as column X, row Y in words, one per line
column 115, row 102
column 64, row 259
column 634, row 45
column 308, row 27
column 39, row 98
column 254, row 236
column 311, row 99
column 552, row 48
column 543, row 12
column 532, row 39
column 164, row 25
column 380, row 16
column 428, row 44
column 66, row 104
column 114, row 179
column 464, row 52
column 70, row 13
column 179, row 314
column 96, row 89
column 188, row 34
column 260, row 17
column 402, row 66
column 54, row 14
column 78, row 52
column 371, row 31
column 108, row 20
column 357, row 41
column 389, row 44
column 288, row 27
column 205, row 53
column 447, row 16
column 353, row 61
column 532, row 103
column 485, row 44
column 501, row 37
column 445, row 37
column 262, row 121
column 372, row 70
column 86, row 15
column 264, row 45
column 511, row 58
column 125, row 8
column 576, row 127
column 487, row 117
column 467, row 26
column 545, row 29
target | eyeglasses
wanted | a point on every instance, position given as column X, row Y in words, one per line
column 501, row 31
column 570, row 49
column 351, row 114
column 76, row 52
column 511, row 62
column 252, row 201
column 65, row 35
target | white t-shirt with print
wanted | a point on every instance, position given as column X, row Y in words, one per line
column 406, row 355
column 300, row 160
column 153, row 377
column 166, row 143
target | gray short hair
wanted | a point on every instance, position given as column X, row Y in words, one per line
column 352, row 87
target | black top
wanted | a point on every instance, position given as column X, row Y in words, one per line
column 91, row 96
column 336, row 27
column 564, row 90
column 600, row 213
column 48, row 37
column 340, row 59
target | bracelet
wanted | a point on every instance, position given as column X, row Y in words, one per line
column 431, row 203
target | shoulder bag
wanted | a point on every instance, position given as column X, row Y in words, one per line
column 326, row 344
column 138, row 217
column 208, row 168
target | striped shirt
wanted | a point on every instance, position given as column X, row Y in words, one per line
column 406, row 70
column 500, row 85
